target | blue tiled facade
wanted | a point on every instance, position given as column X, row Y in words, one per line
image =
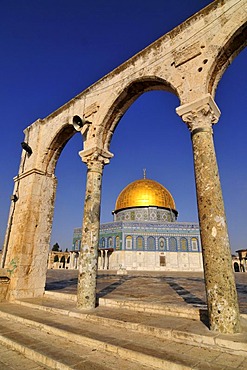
column 146, row 236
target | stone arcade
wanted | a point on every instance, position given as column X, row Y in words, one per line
column 189, row 62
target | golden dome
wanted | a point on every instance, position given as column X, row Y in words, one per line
column 144, row 193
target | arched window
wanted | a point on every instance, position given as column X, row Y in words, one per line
column 128, row 242
column 194, row 244
column 184, row 244
column 62, row 260
column 77, row 245
column 102, row 243
column 56, row 259
column 151, row 243
column 109, row 242
column 139, row 243
column 173, row 244
column 117, row 243
column 162, row 244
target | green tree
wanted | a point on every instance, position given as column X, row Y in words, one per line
column 55, row 247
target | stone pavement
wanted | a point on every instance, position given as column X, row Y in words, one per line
column 145, row 320
column 183, row 288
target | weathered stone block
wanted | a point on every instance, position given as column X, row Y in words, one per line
column 4, row 284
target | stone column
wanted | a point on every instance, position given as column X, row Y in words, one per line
column 86, row 294
column 221, row 292
column 106, row 259
column 76, row 261
column 28, row 236
column 101, row 259
column 72, row 260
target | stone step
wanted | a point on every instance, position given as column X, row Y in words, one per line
column 84, row 338
column 175, row 310
column 177, row 329
column 32, row 325
column 38, row 347
column 11, row 359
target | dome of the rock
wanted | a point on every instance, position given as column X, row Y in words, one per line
column 144, row 193
column 145, row 234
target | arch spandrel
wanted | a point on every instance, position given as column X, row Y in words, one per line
column 218, row 41
column 47, row 137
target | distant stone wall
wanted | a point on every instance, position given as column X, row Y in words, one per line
column 63, row 260
column 57, row 260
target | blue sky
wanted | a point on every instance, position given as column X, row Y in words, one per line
column 52, row 50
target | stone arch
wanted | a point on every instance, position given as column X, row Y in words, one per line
column 36, row 185
column 54, row 148
column 233, row 44
column 63, row 261
column 236, row 267
column 126, row 97
column 56, row 258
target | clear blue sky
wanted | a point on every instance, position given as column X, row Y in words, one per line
column 52, row 50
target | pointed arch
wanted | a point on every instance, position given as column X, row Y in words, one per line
column 230, row 48
column 124, row 100
column 55, row 147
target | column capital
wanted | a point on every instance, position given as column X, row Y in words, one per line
column 95, row 158
column 200, row 114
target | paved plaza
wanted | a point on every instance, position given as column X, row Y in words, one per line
column 144, row 321
column 183, row 288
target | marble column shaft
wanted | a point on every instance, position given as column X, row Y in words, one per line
column 220, row 284
column 86, row 292
column 106, row 260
